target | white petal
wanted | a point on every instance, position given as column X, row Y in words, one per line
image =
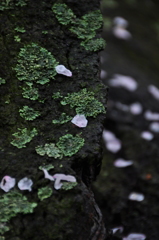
column 121, row 32
column 7, row 183
column 114, row 145
column 147, row 135
column 136, row 108
column 80, row 121
column 61, row 69
column 120, row 229
column 25, row 184
column 108, row 136
column 151, row 116
column 135, row 236
column 136, row 197
column 154, row 91
column 123, row 81
column 119, row 21
column 121, row 163
column 47, row 175
column 154, row 126
column 59, row 177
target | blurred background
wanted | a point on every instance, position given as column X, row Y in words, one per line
column 127, row 189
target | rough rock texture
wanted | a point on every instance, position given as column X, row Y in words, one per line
column 30, row 31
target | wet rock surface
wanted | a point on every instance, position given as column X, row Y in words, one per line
column 35, row 122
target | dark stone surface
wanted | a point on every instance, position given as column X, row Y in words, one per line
column 66, row 215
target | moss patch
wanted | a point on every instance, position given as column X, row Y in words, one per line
column 11, row 204
column 35, row 64
column 23, row 136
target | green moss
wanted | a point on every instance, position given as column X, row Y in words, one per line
column 2, row 81
column 84, row 103
column 94, row 44
column 63, row 14
column 30, row 93
column 68, row 185
column 57, row 95
column 20, row 29
column 11, row 204
column 49, row 149
column 47, row 167
column 69, row 145
column 23, row 136
column 35, row 64
column 44, row 192
column 28, row 113
column 62, row 119
column 10, row 4
column 17, row 38
column 85, row 28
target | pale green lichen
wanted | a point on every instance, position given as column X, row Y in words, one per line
column 23, row 136
column 85, row 27
column 30, row 93
column 93, row 44
column 69, row 145
column 2, row 81
column 84, row 103
column 57, row 95
column 10, row 4
column 49, row 149
column 44, row 192
column 20, row 29
column 62, row 119
column 17, row 38
column 28, row 113
column 68, row 185
column 46, row 166
column 11, row 204
column 63, row 14
column 35, row 64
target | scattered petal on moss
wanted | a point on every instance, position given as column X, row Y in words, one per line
column 25, row 184
column 61, row 69
column 47, row 175
column 7, row 183
column 62, row 177
column 80, row 120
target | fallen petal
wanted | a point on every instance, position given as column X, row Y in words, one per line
column 151, row 116
column 121, row 163
column 25, row 184
column 120, row 21
column 121, row 32
column 154, row 126
column 147, row 135
column 80, row 121
column 58, row 177
column 61, row 69
column 47, row 175
column 154, row 91
column 7, row 183
column 136, row 196
column 136, row 108
column 135, row 236
column 117, row 229
column 123, row 81
column 114, row 145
